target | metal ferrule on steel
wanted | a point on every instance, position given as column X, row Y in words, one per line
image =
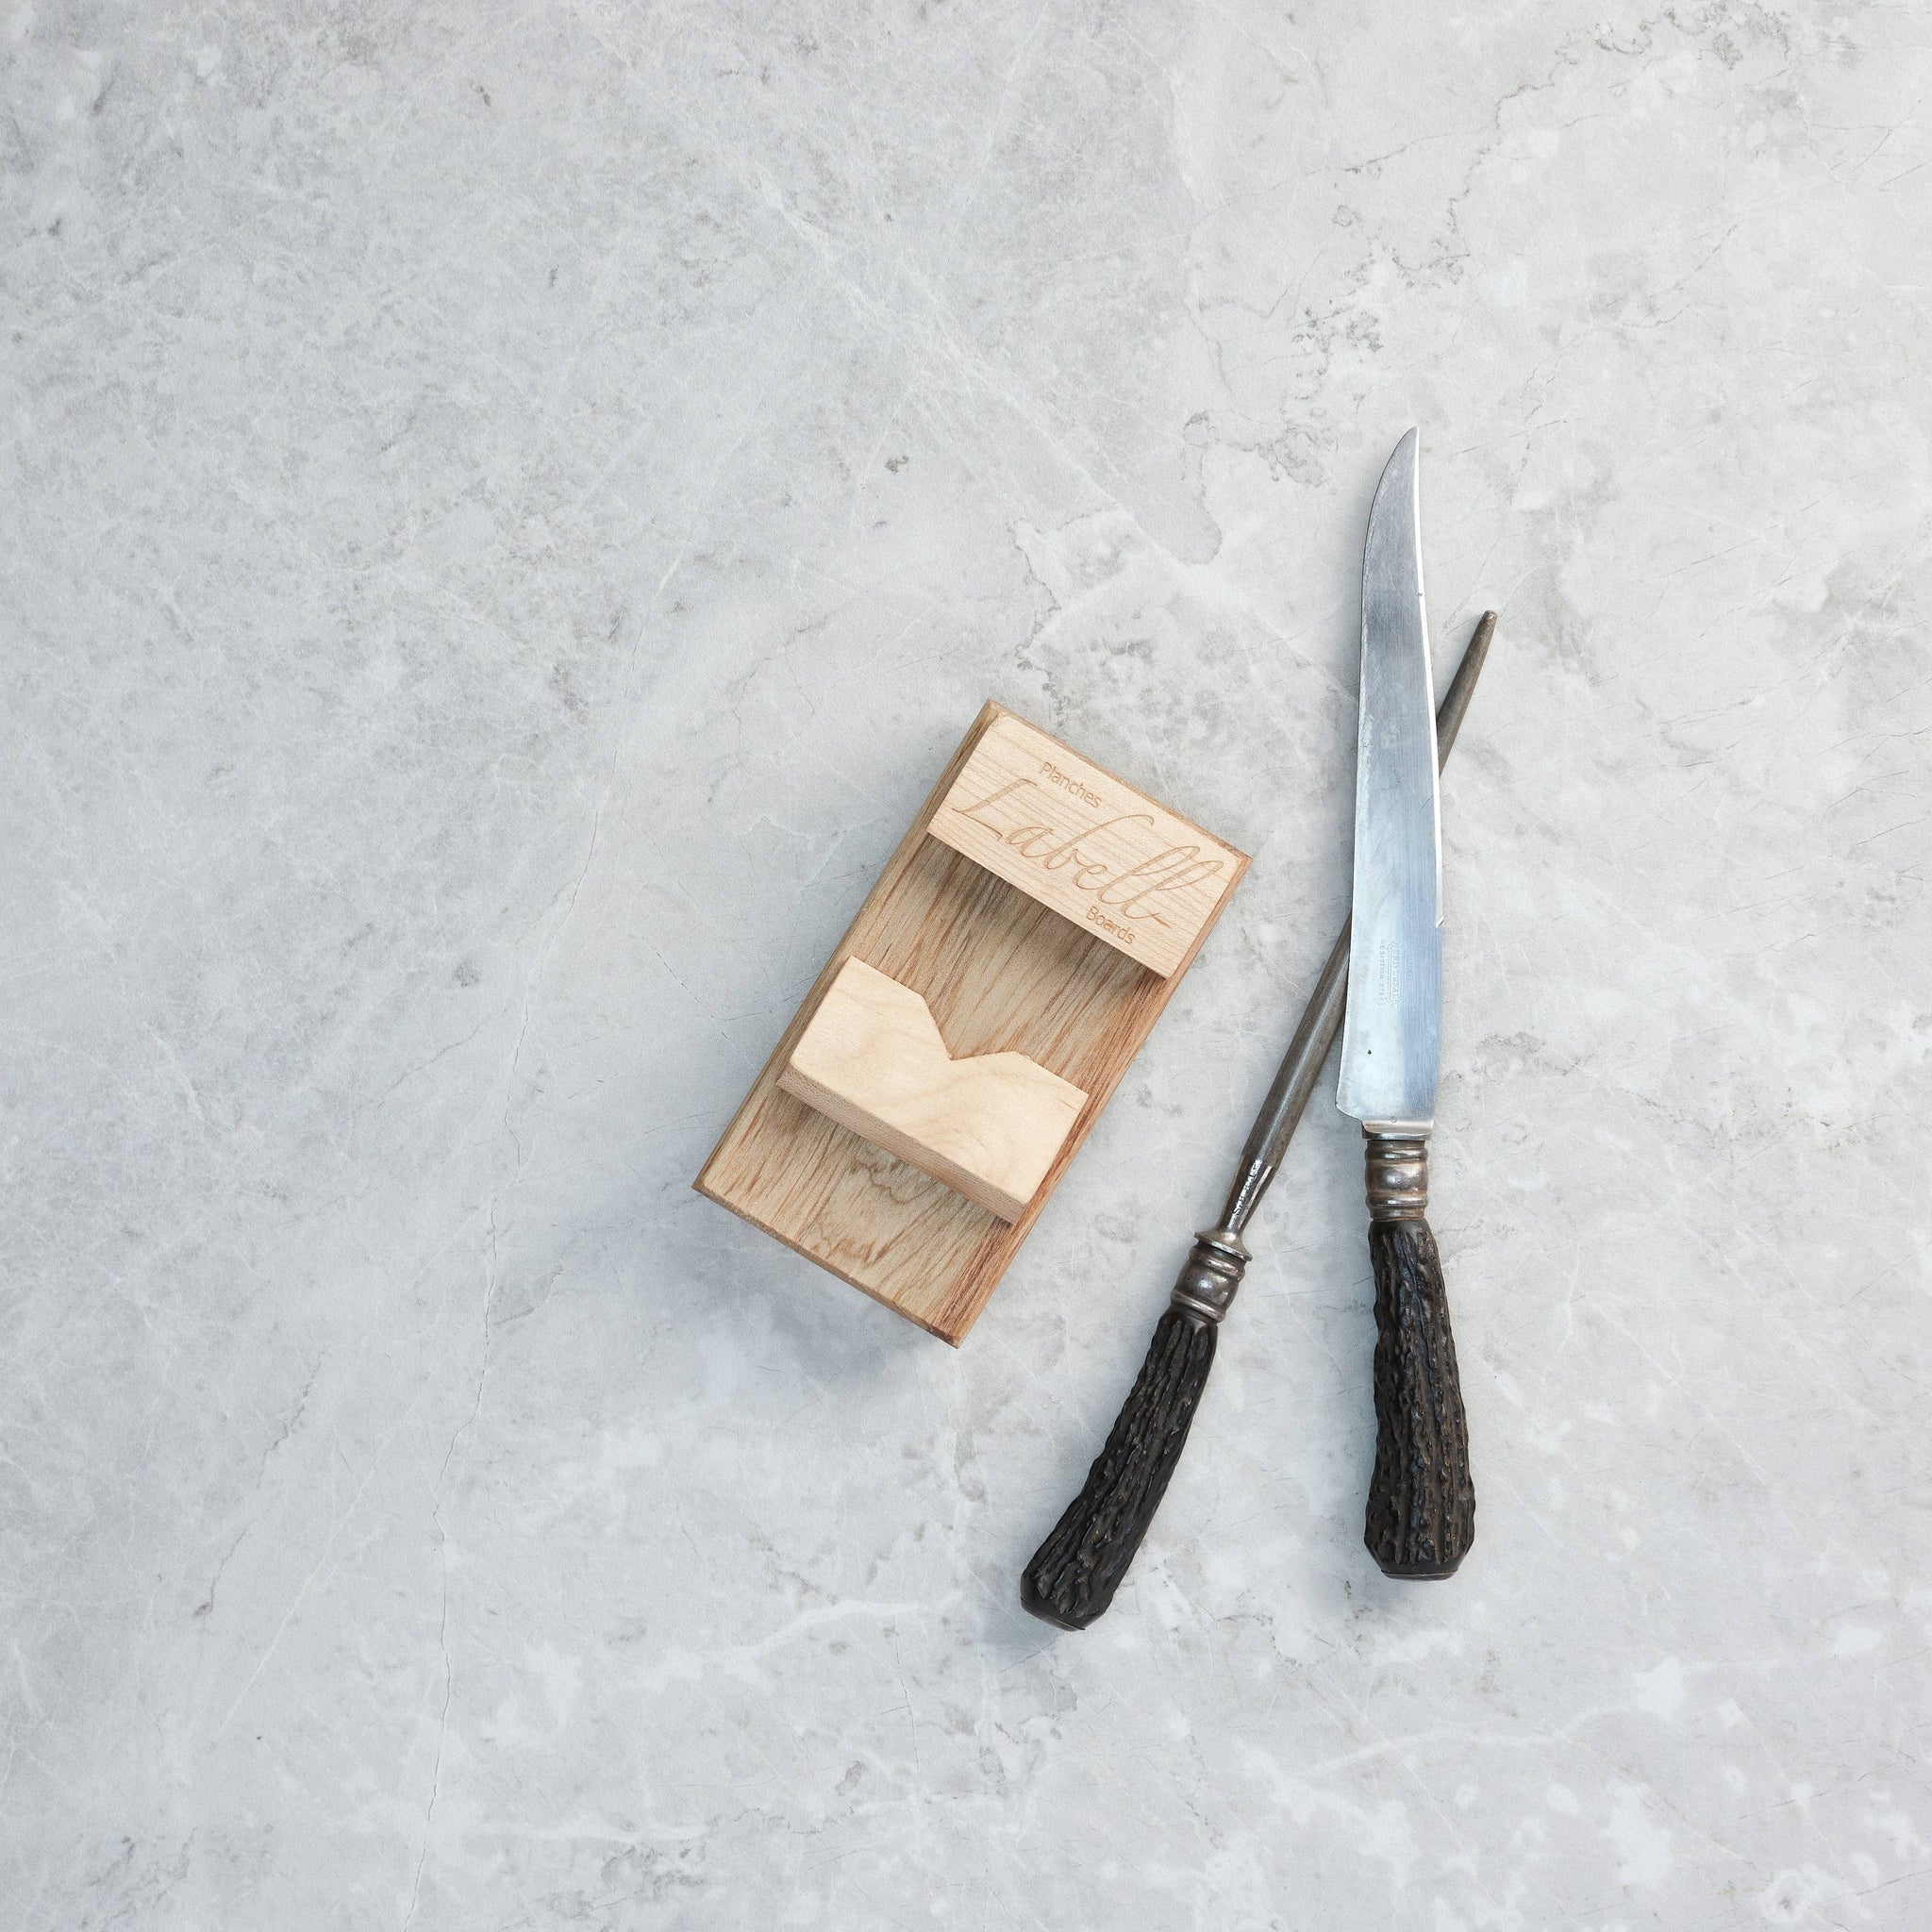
column 1214, row 1271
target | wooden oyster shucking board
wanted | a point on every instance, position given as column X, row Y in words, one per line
column 1039, row 906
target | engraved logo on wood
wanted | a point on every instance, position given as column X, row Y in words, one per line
column 1076, row 838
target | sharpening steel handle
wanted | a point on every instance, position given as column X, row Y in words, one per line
column 1074, row 1573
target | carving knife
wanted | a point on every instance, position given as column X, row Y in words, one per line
column 1421, row 1504
column 1073, row 1574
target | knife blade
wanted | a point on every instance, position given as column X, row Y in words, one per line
column 1072, row 1576
column 1392, row 1041
column 1421, row 1514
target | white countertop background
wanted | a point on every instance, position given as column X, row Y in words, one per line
column 506, row 511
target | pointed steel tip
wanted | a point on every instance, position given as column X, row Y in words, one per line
column 1403, row 462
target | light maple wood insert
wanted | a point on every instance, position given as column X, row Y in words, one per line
column 1001, row 969
column 872, row 1056
column 1114, row 860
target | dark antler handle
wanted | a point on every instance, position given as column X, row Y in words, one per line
column 1421, row 1503
column 1074, row 1573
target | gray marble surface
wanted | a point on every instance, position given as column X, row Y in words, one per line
column 506, row 511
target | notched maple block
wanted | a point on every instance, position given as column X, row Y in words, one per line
column 1038, row 906
column 872, row 1056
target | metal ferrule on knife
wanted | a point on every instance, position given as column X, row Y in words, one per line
column 1398, row 1174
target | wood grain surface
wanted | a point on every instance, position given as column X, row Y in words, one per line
column 1000, row 972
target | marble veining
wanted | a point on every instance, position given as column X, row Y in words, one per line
column 507, row 509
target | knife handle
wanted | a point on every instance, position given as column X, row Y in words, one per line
column 1421, row 1503
column 1074, row 1573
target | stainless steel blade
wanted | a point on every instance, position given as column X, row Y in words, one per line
column 1391, row 1039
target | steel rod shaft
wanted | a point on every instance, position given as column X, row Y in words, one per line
column 1301, row 1066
